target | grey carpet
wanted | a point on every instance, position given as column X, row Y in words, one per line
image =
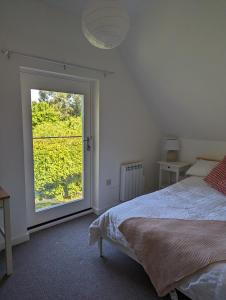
column 58, row 263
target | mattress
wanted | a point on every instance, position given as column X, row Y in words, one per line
column 190, row 199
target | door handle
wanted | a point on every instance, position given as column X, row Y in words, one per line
column 88, row 145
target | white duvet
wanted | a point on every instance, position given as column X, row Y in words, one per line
column 189, row 199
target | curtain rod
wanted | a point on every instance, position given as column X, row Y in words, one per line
column 8, row 53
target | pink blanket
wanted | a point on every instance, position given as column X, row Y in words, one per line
column 172, row 249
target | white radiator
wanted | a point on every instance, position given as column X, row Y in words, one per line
column 132, row 181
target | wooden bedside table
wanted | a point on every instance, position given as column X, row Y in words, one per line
column 177, row 168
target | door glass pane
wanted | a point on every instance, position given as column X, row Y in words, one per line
column 57, row 129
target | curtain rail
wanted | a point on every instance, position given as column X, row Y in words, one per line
column 8, row 53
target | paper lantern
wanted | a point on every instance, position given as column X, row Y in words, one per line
column 105, row 23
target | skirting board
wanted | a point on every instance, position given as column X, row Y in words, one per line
column 100, row 211
column 66, row 219
column 16, row 240
column 26, row 237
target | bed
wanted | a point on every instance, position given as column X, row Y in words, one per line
column 190, row 199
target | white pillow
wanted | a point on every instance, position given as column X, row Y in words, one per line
column 201, row 168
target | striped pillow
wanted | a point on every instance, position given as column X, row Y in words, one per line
column 217, row 177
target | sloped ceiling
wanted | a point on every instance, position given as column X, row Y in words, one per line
column 176, row 52
column 76, row 6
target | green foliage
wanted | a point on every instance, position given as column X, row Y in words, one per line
column 43, row 112
column 57, row 160
column 67, row 104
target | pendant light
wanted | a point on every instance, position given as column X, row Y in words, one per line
column 105, row 23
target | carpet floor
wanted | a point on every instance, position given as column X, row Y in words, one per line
column 57, row 263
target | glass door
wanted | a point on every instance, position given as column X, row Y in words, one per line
column 57, row 146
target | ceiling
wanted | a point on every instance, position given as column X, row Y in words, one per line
column 76, row 6
column 176, row 52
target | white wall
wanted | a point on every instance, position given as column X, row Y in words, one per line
column 127, row 131
column 191, row 149
column 176, row 53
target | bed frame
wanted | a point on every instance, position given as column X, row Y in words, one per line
column 128, row 252
column 208, row 158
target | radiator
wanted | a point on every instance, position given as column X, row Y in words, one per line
column 131, row 181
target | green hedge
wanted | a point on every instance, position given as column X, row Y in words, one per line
column 57, row 161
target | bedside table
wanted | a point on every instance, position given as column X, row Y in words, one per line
column 175, row 169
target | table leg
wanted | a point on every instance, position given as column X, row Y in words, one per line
column 100, row 245
column 177, row 176
column 8, row 245
column 160, row 179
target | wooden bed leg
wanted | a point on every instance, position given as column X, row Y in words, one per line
column 173, row 295
column 100, row 245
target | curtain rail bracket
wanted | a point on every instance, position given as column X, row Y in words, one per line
column 6, row 53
